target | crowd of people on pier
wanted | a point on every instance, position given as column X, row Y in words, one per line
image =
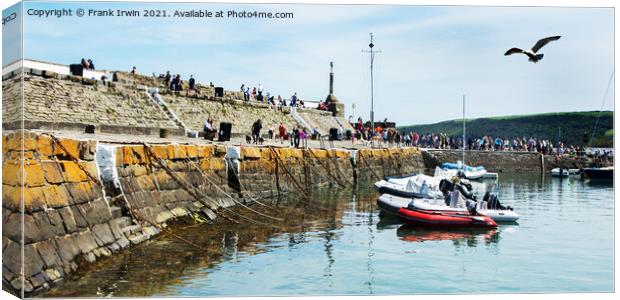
column 392, row 137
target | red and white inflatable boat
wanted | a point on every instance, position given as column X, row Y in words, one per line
column 443, row 219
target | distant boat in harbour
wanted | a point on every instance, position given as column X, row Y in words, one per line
column 606, row 173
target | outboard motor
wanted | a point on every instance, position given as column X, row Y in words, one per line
column 446, row 186
column 493, row 203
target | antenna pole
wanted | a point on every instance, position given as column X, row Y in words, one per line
column 372, row 100
column 463, row 152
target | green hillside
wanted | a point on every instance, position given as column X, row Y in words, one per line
column 571, row 125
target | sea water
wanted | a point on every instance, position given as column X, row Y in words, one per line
column 338, row 243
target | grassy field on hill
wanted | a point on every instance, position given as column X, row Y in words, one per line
column 569, row 126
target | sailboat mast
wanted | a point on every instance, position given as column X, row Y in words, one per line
column 463, row 143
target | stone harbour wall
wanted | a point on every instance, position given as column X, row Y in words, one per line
column 268, row 172
column 162, row 182
column 503, row 161
column 378, row 163
column 67, row 219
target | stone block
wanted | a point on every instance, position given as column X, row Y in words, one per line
column 42, row 225
column 165, row 181
column 103, row 234
column 116, row 226
column 123, row 242
column 191, row 151
column 44, row 145
column 56, row 196
column 19, row 284
column 72, row 147
column 138, row 170
column 33, row 264
column 83, row 191
column 12, row 173
column 11, row 257
column 33, row 175
column 66, row 213
column 88, row 149
column 94, row 212
column 85, row 241
column 67, row 248
column 177, row 152
column 49, row 74
column 250, row 153
column 145, row 183
column 38, row 281
column 160, row 152
column 52, row 171
column 205, row 151
column 134, row 155
column 47, row 251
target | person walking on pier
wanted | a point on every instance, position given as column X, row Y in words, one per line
column 192, row 83
column 260, row 92
column 246, row 94
column 256, row 127
column 281, row 132
column 296, row 136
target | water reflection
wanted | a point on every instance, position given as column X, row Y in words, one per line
column 469, row 237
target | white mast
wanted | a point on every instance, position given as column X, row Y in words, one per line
column 463, row 143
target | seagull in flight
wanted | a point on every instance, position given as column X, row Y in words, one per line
column 533, row 57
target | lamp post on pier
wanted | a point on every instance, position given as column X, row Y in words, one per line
column 372, row 60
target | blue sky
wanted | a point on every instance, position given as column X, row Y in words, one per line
column 432, row 55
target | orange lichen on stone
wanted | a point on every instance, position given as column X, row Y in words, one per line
column 73, row 173
column 44, row 145
column 53, row 173
column 34, row 198
column 56, row 196
column 11, row 196
column 318, row 153
column 205, row 151
column 72, row 146
column 266, row 153
column 33, row 175
column 191, row 151
column 12, row 172
column 160, row 152
column 250, row 153
column 5, row 146
column 133, row 155
column 213, row 164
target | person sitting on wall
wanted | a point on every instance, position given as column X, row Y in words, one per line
column 271, row 132
column 211, row 84
column 256, row 127
column 91, row 65
column 209, row 129
column 84, row 63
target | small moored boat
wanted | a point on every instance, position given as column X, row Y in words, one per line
column 606, row 173
column 444, row 219
column 495, row 211
column 561, row 172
